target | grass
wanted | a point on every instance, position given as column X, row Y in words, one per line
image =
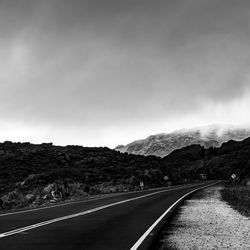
column 238, row 196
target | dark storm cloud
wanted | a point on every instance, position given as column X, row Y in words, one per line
column 114, row 64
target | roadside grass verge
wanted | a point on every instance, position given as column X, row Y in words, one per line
column 238, row 196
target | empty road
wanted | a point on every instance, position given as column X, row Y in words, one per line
column 124, row 221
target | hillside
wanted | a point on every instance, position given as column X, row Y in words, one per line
column 30, row 173
column 163, row 144
column 218, row 163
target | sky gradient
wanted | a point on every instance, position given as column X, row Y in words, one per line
column 97, row 73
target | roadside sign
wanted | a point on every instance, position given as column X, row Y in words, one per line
column 165, row 178
column 233, row 176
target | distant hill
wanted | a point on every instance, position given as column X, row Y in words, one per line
column 36, row 174
column 233, row 157
column 31, row 173
column 163, row 144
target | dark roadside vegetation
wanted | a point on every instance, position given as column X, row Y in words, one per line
column 237, row 196
column 34, row 175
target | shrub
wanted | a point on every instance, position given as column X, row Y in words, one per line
column 238, row 196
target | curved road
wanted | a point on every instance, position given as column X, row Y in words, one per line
column 123, row 221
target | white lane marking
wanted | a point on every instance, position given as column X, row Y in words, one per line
column 23, row 229
column 72, row 203
column 84, row 201
column 57, row 205
column 145, row 235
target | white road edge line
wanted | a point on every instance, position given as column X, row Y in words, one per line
column 144, row 236
column 54, row 206
column 81, row 201
column 23, row 229
column 74, row 202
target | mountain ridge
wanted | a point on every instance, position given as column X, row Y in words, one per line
column 163, row 144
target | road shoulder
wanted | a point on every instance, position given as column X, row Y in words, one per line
column 205, row 221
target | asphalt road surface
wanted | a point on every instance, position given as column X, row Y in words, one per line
column 124, row 221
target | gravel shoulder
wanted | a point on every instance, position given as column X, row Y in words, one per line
column 204, row 221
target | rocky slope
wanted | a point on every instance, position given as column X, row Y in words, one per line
column 32, row 174
column 232, row 157
column 163, row 144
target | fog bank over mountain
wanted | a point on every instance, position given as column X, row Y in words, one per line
column 207, row 136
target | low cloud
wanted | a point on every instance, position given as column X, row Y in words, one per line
column 94, row 73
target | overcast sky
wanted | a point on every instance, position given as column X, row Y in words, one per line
column 107, row 72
